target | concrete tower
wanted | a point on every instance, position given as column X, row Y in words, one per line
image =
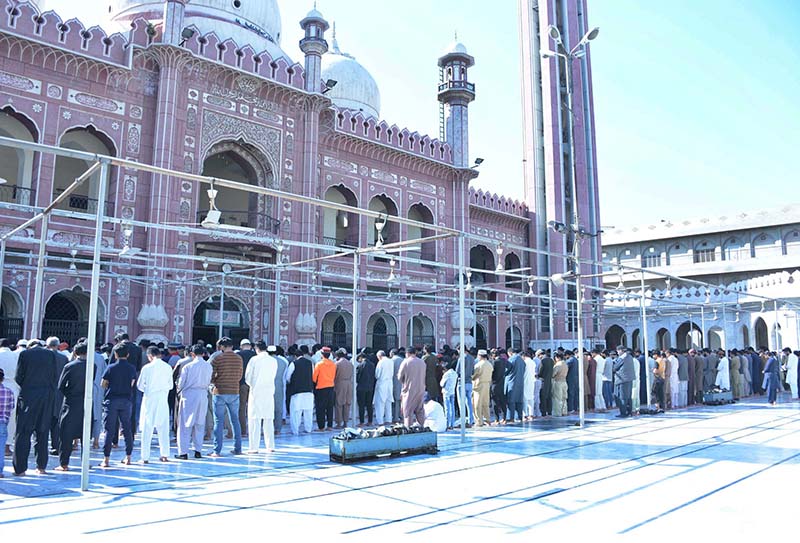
column 313, row 45
column 547, row 165
column 455, row 93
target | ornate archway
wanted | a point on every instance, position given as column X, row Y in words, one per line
column 66, row 316
column 382, row 331
column 12, row 325
column 687, row 338
column 420, row 331
column 337, row 329
column 762, row 334
column 615, row 336
column 235, row 320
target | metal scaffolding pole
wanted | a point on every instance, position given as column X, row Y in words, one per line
column 462, row 391
column 38, row 285
column 94, row 301
column 356, row 278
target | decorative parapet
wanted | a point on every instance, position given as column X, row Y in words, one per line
column 23, row 20
column 227, row 52
column 369, row 128
column 494, row 202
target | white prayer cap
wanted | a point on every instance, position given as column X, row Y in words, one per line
column 272, row 349
column 244, row 342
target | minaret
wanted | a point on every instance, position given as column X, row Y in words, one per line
column 173, row 21
column 455, row 93
column 313, row 45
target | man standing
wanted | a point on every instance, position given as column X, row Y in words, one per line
column 710, row 374
column 37, row 380
column 559, row 386
column 72, row 385
column 481, row 388
column 118, row 382
column 324, row 376
column 383, row 389
column 791, row 371
column 226, row 375
column 590, row 370
column 515, row 384
column 723, row 379
column 572, row 381
column 155, row 383
column 8, row 363
column 546, row 375
column 135, row 359
column 7, row 402
column 62, row 360
column 246, row 352
column 280, row 386
column 469, row 369
column 343, row 389
column 193, row 382
column 623, row 381
column 365, row 388
column 397, row 356
column 412, row 377
column 699, row 370
column 599, row 401
column 431, row 382
column 260, row 378
column 608, row 383
column 299, row 387
column 499, row 387
column 529, row 387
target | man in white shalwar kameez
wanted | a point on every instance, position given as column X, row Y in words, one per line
column 791, row 371
column 723, row 380
column 193, row 384
column 260, row 377
column 155, row 382
column 599, row 401
column 529, row 388
column 384, row 389
column 674, row 382
column 635, row 400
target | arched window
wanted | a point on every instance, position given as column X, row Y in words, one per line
column 84, row 198
column 651, row 257
column 704, row 251
column 340, row 228
column 791, row 243
column 766, row 245
column 678, row 254
column 734, row 249
column 420, row 213
column 16, row 165
column 482, row 258
column 389, row 231
column 512, row 264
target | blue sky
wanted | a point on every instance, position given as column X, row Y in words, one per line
column 696, row 101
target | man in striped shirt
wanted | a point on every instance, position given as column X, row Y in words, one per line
column 227, row 371
column 6, row 409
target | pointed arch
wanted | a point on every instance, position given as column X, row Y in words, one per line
column 421, row 213
column 17, row 165
column 339, row 228
column 382, row 331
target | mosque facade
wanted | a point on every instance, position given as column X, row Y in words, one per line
column 204, row 87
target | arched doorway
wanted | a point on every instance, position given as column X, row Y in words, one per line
column 235, row 320
column 66, row 316
column 777, row 336
column 12, row 325
column 762, row 334
column 688, row 336
column 745, row 336
column 420, row 331
column 662, row 339
column 636, row 339
column 390, row 230
column 242, row 163
column 512, row 263
column 17, row 165
column 716, row 337
column 615, row 336
column 382, row 331
column 337, row 329
column 84, row 198
column 514, row 337
column 479, row 333
column 481, row 258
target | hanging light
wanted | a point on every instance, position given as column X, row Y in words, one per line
column 379, row 225
column 391, row 278
column 531, row 280
column 469, row 280
column 500, row 249
column 715, row 314
column 73, row 268
column 204, row 279
column 343, row 219
column 667, row 292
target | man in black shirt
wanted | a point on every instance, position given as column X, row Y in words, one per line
column 118, row 382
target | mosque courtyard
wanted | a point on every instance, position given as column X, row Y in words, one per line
column 704, row 471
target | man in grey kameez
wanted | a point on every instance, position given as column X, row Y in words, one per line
column 193, row 386
column 412, row 377
column 397, row 359
column 280, row 387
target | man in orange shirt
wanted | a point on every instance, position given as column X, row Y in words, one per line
column 323, row 377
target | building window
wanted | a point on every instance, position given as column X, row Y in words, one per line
column 651, row 258
column 704, row 255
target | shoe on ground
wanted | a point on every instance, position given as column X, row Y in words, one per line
column 197, row 454
column 182, row 456
column 235, row 452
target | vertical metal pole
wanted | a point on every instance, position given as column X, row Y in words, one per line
column 411, row 324
column 550, row 317
column 703, row 326
column 777, row 339
column 86, row 438
column 36, row 313
column 462, row 391
column 2, row 265
column 356, row 262
column 221, row 306
column 645, row 342
column 724, row 330
column 511, row 319
column 276, row 307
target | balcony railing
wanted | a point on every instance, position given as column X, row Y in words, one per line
column 17, row 195
column 459, row 85
column 79, row 202
column 247, row 219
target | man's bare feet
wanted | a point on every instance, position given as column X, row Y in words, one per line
column 41, row 471
column 62, row 468
column 106, row 463
column 164, row 459
column 126, row 461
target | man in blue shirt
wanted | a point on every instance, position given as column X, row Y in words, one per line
column 118, row 382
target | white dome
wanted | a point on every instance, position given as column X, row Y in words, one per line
column 455, row 47
column 248, row 22
column 355, row 89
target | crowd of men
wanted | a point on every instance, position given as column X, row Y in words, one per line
column 199, row 392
